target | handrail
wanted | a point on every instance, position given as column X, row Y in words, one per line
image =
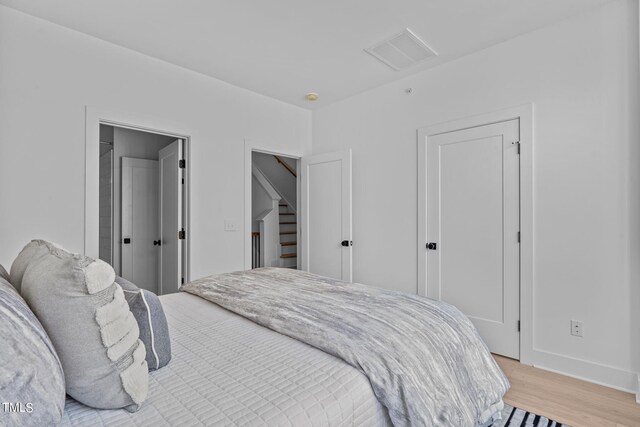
column 286, row 165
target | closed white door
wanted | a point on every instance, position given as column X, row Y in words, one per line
column 172, row 233
column 473, row 224
column 326, row 215
column 139, row 209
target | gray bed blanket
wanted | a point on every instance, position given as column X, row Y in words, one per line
column 425, row 360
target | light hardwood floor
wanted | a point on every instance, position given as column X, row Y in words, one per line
column 568, row 400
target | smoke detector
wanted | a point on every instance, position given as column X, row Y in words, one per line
column 402, row 50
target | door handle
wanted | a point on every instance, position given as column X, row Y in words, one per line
column 432, row 246
column 157, row 243
column 347, row 243
column 126, row 240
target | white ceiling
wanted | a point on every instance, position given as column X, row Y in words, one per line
column 286, row 48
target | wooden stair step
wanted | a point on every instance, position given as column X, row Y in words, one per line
column 288, row 232
column 288, row 222
column 288, row 243
column 286, row 213
column 288, row 256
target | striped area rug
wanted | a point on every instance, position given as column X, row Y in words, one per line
column 516, row 417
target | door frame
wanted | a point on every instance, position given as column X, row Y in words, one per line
column 525, row 115
column 94, row 117
column 250, row 146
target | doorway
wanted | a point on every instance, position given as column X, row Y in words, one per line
column 324, row 240
column 472, row 223
column 142, row 206
column 274, row 211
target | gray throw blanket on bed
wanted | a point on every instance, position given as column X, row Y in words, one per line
column 425, row 360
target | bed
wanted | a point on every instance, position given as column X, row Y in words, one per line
column 227, row 370
column 264, row 348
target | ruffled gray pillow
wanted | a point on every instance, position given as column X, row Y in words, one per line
column 29, row 253
column 89, row 322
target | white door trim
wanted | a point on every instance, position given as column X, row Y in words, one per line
column 94, row 117
column 525, row 114
column 250, row 146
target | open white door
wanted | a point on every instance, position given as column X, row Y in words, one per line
column 325, row 213
column 172, row 233
column 139, row 222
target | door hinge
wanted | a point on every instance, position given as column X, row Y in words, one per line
column 182, row 281
column 517, row 144
column 182, row 164
column 518, row 237
column 182, row 181
column 518, row 326
column 181, row 234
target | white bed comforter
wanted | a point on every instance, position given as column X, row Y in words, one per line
column 227, row 370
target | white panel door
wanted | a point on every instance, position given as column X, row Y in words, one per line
column 326, row 215
column 139, row 209
column 171, row 249
column 473, row 219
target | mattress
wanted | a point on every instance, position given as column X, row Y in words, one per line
column 227, row 370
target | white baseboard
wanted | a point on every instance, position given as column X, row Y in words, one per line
column 608, row 376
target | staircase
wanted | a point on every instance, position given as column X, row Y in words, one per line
column 288, row 236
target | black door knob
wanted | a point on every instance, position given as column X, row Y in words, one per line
column 432, row 246
column 126, row 241
column 157, row 243
column 347, row 243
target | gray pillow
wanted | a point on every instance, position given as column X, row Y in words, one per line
column 89, row 322
column 152, row 322
column 31, row 377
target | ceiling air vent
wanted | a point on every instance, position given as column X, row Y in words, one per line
column 402, row 50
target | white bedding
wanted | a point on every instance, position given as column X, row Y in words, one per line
column 227, row 370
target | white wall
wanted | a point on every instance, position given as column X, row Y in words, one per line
column 266, row 218
column 582, row 76
column 50, row 73
column 281, row 179
column 270, row 237
column 260, row 202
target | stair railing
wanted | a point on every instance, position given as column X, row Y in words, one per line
column 286, row 165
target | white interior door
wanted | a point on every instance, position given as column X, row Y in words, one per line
column 139, row 209
column 171, row 215
column 473, row 218
column 325, row 212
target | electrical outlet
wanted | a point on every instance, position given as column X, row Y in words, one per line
column 576, row 328
column 229, row 225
